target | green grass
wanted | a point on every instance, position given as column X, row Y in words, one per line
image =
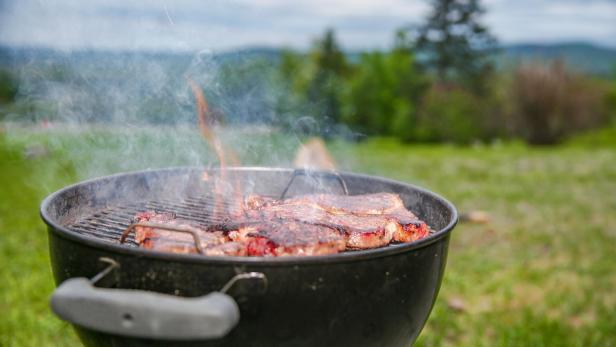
column 541, row 273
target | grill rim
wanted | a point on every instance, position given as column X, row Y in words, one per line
column 343, row 257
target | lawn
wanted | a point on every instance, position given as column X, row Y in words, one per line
column 541, row 273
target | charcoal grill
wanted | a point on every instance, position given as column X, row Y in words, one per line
column 117, row 294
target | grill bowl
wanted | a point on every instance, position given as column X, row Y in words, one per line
column 377, row 297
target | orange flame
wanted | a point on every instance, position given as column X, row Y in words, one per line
column 207, row 131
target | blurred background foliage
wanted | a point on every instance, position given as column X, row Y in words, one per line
column 442, row 85
column 446, row 80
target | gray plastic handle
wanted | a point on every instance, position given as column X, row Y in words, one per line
column 144, row 314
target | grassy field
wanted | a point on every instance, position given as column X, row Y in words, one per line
column 541, row 273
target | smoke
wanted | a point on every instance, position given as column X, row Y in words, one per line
column 114, row 111
column 109, row 112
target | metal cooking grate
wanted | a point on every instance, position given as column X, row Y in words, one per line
column 109, row 223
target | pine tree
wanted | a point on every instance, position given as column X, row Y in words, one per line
column 454, row 44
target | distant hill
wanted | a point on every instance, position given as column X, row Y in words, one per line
column 241, row 55
column 585, row 57
column 582, row 56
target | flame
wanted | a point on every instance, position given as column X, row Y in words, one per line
column 224, row 155
column 205, row 124
column 313, row 154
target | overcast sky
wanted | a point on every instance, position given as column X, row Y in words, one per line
column 221, row 25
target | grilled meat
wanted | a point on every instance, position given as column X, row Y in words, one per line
column 278, row 238
column 166, row 240
column 307, row 225
column 250, row 239
column 369, row 221
column 378, row 203
column 227, row 248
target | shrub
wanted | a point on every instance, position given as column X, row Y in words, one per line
column 550, row 102
column 8, row 87
column 611, row 99
column 382, row 95
column 452, row 114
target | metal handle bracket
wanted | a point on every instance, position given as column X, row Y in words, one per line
column 145, row 314
column 334, row 175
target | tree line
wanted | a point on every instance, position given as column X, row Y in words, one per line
column 438, row 83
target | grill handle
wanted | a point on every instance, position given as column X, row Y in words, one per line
column 144, row 314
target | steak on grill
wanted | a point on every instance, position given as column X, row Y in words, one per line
column 274, row 238
column 165, row 240
column 308, row 225
column 369, row 220
column 279, row 238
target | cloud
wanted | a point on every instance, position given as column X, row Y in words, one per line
column 548, row 21
column 225, row 24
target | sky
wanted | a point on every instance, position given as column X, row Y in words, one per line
column 189, row 25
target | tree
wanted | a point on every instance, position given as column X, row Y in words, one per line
column 551, row 102
column 455, row 45
column 330, row 68
column 294, row 74
column 611, row 97
column 384, row 93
